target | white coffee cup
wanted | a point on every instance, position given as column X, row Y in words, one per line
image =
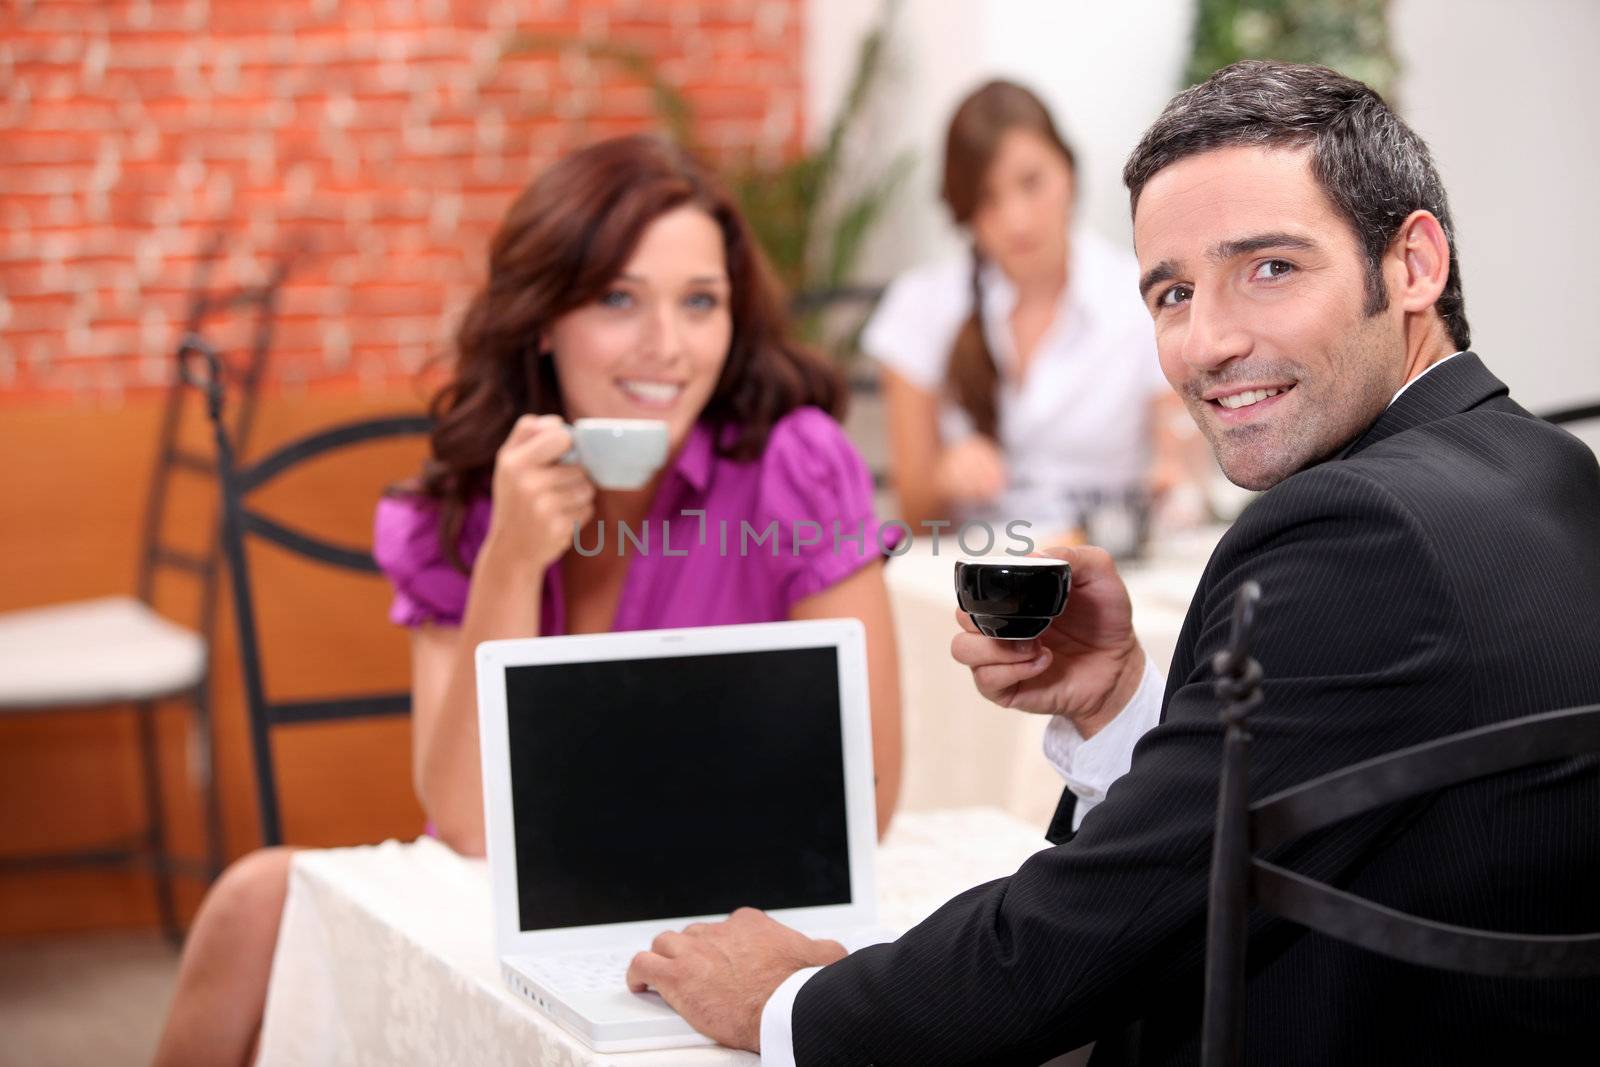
column 618, row 453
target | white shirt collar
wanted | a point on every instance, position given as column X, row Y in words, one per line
column 1076, row 307
column 1419, row 377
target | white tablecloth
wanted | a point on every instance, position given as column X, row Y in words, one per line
column 386, row 953
column 961, row 750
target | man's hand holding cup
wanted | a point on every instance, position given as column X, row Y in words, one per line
column 1086, row 665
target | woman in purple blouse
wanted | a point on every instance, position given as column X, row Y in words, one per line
column 622, row 283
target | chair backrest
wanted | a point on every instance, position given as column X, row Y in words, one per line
column 1239, row 877
column 242, row 522
column 835, row 318
column 812, row 301
column 1576, row 413
column 157, row 553
column 1581, row 420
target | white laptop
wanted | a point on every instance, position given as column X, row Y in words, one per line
column 637, row 782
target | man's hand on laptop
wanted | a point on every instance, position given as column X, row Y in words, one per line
column 718, row 976
column 1086, row 666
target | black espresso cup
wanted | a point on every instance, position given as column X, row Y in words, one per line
column 1013, row 597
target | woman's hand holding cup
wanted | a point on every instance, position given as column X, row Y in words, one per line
column 1086, row 665
column 538, row 500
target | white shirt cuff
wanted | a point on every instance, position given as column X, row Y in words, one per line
column 1089, row 767
column 777, row 1021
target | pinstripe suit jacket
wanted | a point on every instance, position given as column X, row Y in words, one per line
column 1443, row 572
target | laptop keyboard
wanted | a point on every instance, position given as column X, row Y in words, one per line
column 583, row 972
column 601, row 970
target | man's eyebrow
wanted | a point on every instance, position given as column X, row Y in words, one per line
column 1166, row 270
column 1243, row 246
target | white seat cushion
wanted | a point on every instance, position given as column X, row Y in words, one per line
column 94, row 652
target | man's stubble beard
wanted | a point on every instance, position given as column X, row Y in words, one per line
column 1335, row 408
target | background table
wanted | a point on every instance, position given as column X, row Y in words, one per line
column 386, row 952
column 961, row 750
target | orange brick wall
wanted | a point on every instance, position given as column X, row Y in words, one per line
column 385, row 137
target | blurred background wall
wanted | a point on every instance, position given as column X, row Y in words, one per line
column 1502, row 93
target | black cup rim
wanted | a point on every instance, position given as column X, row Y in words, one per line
column 1045, row 564
column 971, row 572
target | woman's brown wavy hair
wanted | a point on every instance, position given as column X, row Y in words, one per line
column 562, row 243
column 973, row 140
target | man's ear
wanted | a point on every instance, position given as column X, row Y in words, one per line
column 1418, row 262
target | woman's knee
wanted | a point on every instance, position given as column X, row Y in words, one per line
column 253, row 887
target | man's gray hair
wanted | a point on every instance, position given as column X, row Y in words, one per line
column 1372, row 166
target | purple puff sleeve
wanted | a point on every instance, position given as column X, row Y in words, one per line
column 816, row 487
column 405, row 544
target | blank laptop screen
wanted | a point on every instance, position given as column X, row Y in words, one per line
column 674, row 786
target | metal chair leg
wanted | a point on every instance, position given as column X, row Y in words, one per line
column 205, row 748
column 155, row 813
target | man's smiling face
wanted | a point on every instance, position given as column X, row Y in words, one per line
column 1257, row 288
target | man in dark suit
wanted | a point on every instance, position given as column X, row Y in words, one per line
column 1430, row 559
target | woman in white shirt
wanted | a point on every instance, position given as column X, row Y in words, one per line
column 1021, row 381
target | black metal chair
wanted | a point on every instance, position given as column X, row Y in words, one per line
column 812, row 301
column 1239, row 878
column 836, row 317
column 240, row 523
column 1576, row 413
column 145, row 658
column 1581, row 420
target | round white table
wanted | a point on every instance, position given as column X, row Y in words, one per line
column 962, row 751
